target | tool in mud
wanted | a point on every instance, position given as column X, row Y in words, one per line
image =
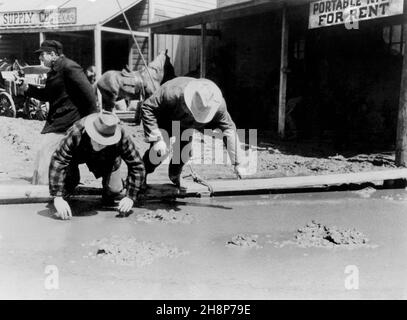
column 197, row 179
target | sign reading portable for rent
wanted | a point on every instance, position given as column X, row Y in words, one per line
column 331, row 12
column 45, row 17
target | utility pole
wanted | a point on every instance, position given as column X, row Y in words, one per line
column 401, row 140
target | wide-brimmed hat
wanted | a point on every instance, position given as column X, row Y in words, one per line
column 103, row 128
column 50, row 45
column 203, row 98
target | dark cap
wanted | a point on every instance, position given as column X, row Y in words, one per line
column 50, row 45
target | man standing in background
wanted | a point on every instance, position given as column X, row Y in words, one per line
column 70, row 96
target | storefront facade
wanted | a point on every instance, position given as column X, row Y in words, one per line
column 346, row 71
column 92, row 32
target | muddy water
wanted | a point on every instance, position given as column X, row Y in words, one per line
column 33, row 245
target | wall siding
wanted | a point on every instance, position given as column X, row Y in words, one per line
column 184, row 51
column 224, row 3
column 139, row 16
column 177, row 8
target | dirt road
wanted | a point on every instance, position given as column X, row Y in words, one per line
column 19, row 139
column 188, row 257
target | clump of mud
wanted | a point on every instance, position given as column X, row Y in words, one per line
column 244, row 240
column 317, row 235
column 130, row 252
column 366, row 192
column 165, row 216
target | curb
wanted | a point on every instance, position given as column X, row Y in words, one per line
column 18, row 194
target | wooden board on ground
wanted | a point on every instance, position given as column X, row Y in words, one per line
column 126, row 116
column 31, row 193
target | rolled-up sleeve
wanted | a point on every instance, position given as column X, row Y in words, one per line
column 60, row 161
column 149, row 114
column 223, row 121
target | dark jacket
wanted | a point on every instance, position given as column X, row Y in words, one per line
column 167, row 104
column 69, row 94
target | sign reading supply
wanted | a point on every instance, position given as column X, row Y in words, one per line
column 331, row 12
column 45, row 17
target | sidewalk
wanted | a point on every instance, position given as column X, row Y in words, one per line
column 23, row 192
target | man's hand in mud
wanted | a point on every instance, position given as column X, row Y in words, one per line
column 63, row 209
column 125, row 205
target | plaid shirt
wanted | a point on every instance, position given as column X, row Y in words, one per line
column 76, row 148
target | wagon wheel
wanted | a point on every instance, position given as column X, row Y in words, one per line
column 7, row 107
column 42, row 110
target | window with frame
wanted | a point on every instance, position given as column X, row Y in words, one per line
column 393, row 37
column 299, row 49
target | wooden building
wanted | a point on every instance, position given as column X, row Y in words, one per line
column 267, row 53
column 93, row 32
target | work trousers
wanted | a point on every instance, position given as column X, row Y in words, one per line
column 111, row 182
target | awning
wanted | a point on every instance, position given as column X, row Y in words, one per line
column 72, row 15
column 182, row 25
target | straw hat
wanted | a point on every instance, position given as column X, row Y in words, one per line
column 203, row 98
column 103, row 128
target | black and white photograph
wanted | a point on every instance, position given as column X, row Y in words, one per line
column 227, row 151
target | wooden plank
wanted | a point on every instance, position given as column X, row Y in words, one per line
column 283, row 74
column 309, row 181
column 48, row 29
column 194, row 55
column 160, row 44
column 184, row 56
column 151, row 42
column 203, row 50
column 27, row 193
column 195, row 32
column 401, row 140
column 127, row 32
column 41, row 37
column 176, row 61
column 97, row 38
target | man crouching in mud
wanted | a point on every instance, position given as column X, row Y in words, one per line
column 101, row 143
column 194, row 104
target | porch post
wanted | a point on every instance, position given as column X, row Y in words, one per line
column 283, row 74
column 401, row 140
column 42, row 37
column 151, row 37
column 98, row 50
column 151, row 46
column 98, row 57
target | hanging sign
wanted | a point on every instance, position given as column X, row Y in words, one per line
column 332, row 12
column 45, row 17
